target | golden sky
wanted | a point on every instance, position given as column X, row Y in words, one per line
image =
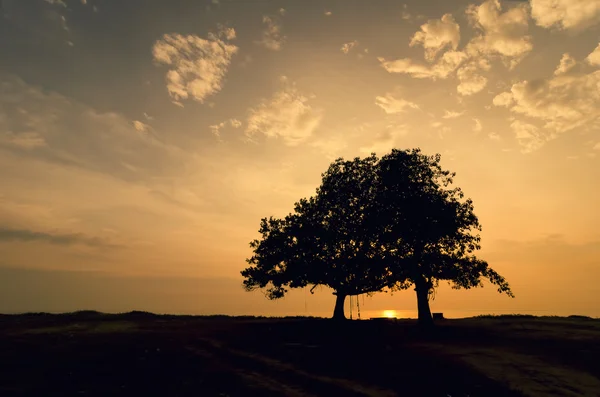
column 141, row 142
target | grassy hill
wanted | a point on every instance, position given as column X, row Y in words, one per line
column 142, row 354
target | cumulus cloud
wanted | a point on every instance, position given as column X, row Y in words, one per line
column 437, row 34
column 471, row 81
column 272, row 38
column 567, row 62
column 443, row 68
column 392, row 105
column 500, row 33
column 53, row 128
column 346, row 47
column 504, row 99
column 594, row 57
column 566, row 14
column 287, row 115
column 563, row 102
column 197, row 66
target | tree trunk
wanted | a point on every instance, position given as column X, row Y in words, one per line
column 338, row 312
column 425, row 318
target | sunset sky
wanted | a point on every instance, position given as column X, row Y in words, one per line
column 141, row 142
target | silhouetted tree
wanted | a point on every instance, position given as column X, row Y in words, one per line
column 429, row 231
column 374, row 223
column 328, row 240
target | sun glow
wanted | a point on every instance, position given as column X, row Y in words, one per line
column 389, row 313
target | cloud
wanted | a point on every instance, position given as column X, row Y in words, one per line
column 328, row 13
column 197, row 66
column 437, row 34
column 24, row 235
column 287, row 115
column 594, row 57
column 272, row 38
column 23, row 140
column 498, row 34
column 563, row 102
column 471, row 81
column 494, row 136
column 566, row 14
column 504, row 99
column 503, row 34
column 452, row 115
column 50, row 127
column 57, row 2
column 405, row 14
column 477, row 127
column 567, row 62
column 140, row 127
column 385, row 140
column 332, row 147
column 445, row 65
column 529, row 136
column 348, row 46
column 216, row 128
column 392, row 105
column 596, row 146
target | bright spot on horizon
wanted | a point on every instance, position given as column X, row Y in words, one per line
column 389, row 313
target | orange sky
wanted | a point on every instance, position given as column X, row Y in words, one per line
column 141, row 142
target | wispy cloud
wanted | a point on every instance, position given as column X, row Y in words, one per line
column 385, row 139
column 24, row 235
column 216, row 128
column 477, row 127
column 346, row 47
column 53, row 128
column 272, row 36
column 530, row 137
column 452, row 115
column 442, row 69
column 287, row 115
column 392, row 104
column 197, row 66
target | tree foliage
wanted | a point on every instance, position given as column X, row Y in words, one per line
column 328, row 240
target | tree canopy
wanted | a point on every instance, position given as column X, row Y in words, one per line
column 328, row 240
column 374, row 223
column 433, row 223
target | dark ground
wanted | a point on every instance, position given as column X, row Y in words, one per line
column 140, row 354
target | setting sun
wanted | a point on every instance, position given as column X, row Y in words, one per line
column 390, row 313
